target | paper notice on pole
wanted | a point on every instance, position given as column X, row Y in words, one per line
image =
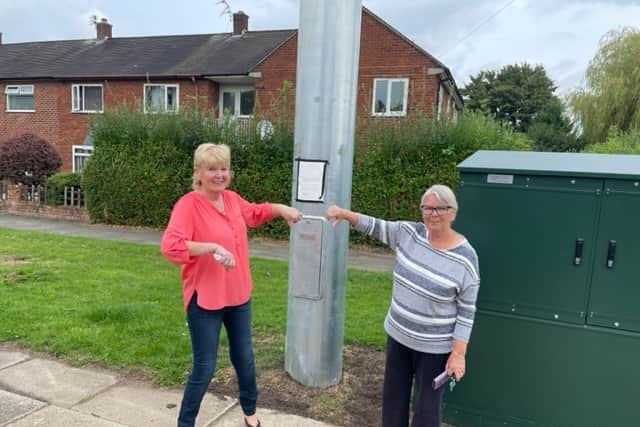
column 311, row 175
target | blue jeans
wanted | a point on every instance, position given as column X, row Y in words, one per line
column 204, row 326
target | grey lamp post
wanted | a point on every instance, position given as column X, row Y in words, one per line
column 326, row 93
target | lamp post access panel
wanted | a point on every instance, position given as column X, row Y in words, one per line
column 557, row 332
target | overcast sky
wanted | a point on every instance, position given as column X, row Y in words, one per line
column 467, row 35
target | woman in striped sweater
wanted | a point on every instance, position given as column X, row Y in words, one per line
column 435, row 286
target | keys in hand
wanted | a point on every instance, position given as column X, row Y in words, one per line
column 225, row 258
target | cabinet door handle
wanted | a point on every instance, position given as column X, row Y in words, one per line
column 577, row 254
column 611, row 253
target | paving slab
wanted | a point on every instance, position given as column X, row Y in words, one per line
column 140, row 406
column 55, row 382
column 268, row 418
column 53, row 416
column 14, row 406
column 9, row 358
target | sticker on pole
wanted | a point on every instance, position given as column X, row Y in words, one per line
column 310, row 180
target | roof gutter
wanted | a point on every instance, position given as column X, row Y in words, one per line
column 446, row 78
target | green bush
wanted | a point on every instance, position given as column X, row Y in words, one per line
column 142, row 163
column 140, row 166
column 618, row 143
column 56, row 184
column 397, row 161
column 546, row 137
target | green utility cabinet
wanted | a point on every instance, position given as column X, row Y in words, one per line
column 556, row 341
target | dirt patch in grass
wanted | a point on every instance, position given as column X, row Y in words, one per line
column 12, row 276
column 355, row 401
column 11, row 260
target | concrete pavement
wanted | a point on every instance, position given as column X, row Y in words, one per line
column 48, row 393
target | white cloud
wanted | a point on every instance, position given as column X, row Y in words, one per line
column 561, row 35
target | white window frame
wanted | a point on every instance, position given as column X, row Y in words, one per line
column 390, row 81
column 236, row 91
column 79, row 151
column 20, row 90
column 164, row 86
column 77, row 102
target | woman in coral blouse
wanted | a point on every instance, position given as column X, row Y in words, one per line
column 207, row 236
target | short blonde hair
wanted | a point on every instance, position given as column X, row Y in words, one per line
column 443, row 193
column 209, row 154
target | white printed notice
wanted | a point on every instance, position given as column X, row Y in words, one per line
column 311, row 180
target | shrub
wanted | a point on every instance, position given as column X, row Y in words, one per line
column 56, row 184
column 28, row 159
column 546, row 137
column 142, row 163
column 396, row 161
column 618, row 143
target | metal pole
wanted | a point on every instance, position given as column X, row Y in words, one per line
column 326, row 93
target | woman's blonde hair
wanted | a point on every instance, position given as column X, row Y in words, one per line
column 443, row 193
column 209, row 154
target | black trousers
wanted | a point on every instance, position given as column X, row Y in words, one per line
column 402, row 366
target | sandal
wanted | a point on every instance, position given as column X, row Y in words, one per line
column 246, row 423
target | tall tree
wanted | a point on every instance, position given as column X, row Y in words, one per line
column 552, row 131
column 516, row 94
column 611, row 96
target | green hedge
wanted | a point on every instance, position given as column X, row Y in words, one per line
column 397, row 161
column 54, row 194
column 143, row 163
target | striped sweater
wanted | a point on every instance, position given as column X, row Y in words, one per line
column 434, row 291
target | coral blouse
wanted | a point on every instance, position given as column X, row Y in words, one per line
column 194, row 218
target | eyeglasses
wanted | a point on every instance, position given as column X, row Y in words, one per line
column 438, row 210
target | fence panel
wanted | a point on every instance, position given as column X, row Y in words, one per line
column 32, row 194
column 4, row 191
column 73, row 197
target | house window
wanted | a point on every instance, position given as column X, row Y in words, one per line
column 86, row 98
column 160, row 98
column 390, row 97
column 20, row 98
column 237, row 101
column 80, row 155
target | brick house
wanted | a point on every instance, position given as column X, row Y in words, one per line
column 52, row 88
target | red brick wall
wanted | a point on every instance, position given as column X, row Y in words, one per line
column 54, row 121
column 44, row 211
column 383, row 53
column 276, row 69
column 10, row 203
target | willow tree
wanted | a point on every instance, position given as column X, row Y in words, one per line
column 611, row 96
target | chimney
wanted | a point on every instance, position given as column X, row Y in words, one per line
column 240, row 23
column 103, row 29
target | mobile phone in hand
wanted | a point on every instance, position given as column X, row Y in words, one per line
column 440, row 380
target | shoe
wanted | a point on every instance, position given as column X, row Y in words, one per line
column 246, row 423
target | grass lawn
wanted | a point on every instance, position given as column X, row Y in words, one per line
column 120, row 304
